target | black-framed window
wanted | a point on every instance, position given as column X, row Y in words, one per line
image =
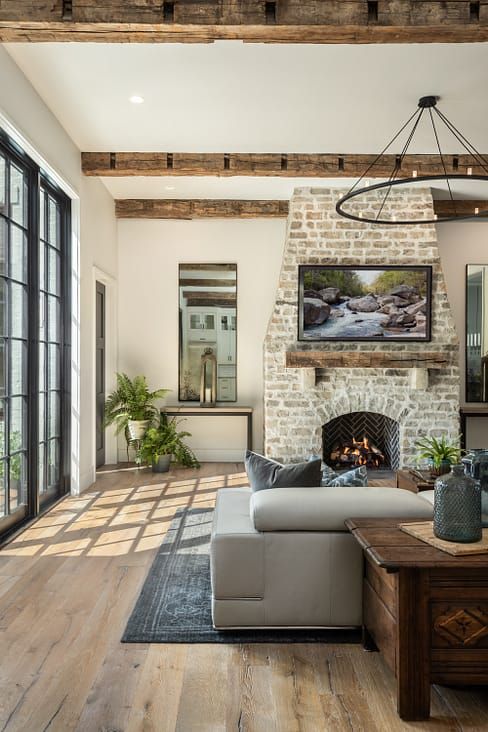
column 34, row 338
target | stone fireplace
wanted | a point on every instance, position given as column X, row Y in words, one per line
column 301, row 403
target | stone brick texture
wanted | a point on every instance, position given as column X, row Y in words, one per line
column 294, row 414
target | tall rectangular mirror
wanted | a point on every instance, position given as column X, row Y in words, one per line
column 477, row 333
column 207, row 324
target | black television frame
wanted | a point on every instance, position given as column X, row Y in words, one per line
column 362, row 339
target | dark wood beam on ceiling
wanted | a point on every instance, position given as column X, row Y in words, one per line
column 233, row 208
column 199, row 208
column 282, row 21
column 286, row 165
column 461, row 208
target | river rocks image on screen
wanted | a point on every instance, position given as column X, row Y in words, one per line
column 364, row 303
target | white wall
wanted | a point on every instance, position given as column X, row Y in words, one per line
column 23, row 112
column 149, row 254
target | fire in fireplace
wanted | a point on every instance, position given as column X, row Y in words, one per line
column 361, row 438
column 353, row 453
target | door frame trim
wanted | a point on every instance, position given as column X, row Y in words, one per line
column 111, row 337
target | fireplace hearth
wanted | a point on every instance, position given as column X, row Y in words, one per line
column 361, row 438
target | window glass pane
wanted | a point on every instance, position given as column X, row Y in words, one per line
column 18, row 367
column 42, row 215
column 18, row 254
column 3, row 371
column 18, row 423
column 42, row 417
column 42, row 468
column 53, row 213
column 54, row 367
column 42, row 367
column 42, row 266
column 18, row 480
column 54, row 272
column 53, row 462
column 54, row 414
column 3, row 307
column 18, row 316
column 3, row 184
column 2, row 428
column 42, row 317
column 53, row 319
column 3, row 245
column 18, row 196
column 3, row 500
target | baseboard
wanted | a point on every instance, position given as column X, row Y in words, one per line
column 204, row 456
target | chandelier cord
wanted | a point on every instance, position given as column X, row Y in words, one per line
column 417, row 112
column 482, row 161
column 398, row 163
column 442, row 160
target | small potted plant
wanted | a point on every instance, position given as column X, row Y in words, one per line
column 440, row 452
column 161, row 442
column 131, row 407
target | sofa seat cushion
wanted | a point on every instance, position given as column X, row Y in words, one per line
column 326, row 509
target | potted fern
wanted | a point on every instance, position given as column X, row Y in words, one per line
column 440, row 452
column 161, row 442
column 131, row 406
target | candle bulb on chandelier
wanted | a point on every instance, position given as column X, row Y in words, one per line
column 470, row 171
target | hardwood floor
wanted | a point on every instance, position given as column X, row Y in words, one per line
column 67, row 586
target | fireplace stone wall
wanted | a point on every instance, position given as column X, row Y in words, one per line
column 295, row 411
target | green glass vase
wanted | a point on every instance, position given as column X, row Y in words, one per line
column 457, row 507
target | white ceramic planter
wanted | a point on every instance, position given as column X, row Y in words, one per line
column 137, row 428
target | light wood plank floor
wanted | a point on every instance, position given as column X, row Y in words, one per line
column 67, row 586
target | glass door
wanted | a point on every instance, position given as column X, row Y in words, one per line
column 14, row 332
column 34, row 339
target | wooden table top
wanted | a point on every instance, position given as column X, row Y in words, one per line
column 390, row 547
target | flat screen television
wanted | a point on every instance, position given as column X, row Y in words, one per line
column 364, row 303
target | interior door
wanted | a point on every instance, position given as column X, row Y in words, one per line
column 100, row 373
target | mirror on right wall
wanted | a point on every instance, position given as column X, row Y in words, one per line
column 477, row 333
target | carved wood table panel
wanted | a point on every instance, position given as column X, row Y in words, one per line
column 425, row 610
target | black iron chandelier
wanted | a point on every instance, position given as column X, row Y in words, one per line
column 471, row 166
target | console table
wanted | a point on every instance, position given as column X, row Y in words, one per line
column 425, row 610
column 218, row 411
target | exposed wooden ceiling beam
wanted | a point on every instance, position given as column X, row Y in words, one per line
column 198, row 209
column 461, row 208
column 237, row 209
column 217, row 296
column 292, row 21
column 286, row 165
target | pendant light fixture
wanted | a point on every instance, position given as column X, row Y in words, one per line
column 473, row 166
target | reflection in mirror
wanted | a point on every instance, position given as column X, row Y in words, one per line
column 208, row 320
column 476, row 333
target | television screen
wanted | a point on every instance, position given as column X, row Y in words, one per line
column 364, row 303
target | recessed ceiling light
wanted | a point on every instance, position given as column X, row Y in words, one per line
column 136, row 99
column 169, row 188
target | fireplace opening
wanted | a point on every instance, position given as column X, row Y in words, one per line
column 361, row 438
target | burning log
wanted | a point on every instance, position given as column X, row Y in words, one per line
column 354, row 452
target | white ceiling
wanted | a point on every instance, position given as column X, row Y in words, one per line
column 231, row 97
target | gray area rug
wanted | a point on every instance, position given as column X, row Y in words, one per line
column 174, row 604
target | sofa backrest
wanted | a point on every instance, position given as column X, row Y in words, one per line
column 326, row 509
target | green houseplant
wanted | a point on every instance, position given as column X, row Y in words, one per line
column 440, row 452
column 131, row 407
column 161, row 442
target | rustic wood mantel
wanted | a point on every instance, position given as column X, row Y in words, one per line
column 368, row 359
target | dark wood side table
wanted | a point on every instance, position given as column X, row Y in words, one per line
column 425, row 610
column 217, row 411
column 413, row 480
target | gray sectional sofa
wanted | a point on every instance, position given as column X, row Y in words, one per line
column 283, row 557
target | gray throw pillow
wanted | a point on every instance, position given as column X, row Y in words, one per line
column 264, row 473
column 357, row 476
